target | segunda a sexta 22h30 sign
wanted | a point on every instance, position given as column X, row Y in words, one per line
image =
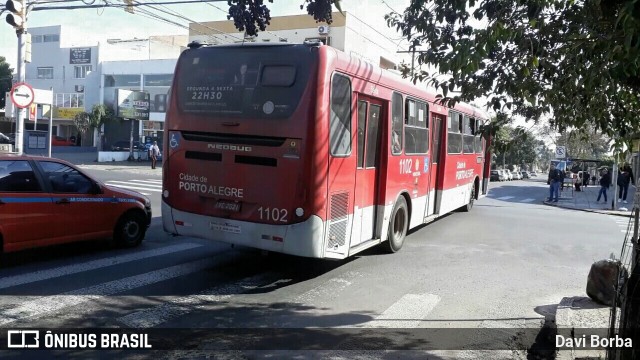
column 132, row 104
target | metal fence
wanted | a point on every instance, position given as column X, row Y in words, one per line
column 625, row 322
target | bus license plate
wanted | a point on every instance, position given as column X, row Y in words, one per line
column 228, row 205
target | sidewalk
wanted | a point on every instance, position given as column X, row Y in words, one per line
column 89, row 160
column 585, row 200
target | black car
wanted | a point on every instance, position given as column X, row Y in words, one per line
column 124, row 146
column 4, row 139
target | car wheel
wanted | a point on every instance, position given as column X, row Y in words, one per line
column 398, row 225
column 130, row 230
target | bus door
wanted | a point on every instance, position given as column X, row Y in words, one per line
column 370, row 113
column 435, row 173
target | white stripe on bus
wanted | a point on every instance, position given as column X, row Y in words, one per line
column 46, row 305
column 16, row 280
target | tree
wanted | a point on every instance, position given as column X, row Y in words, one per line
column 251, row 15
column 82, row 122
column 6, row 76
column 584, row 143
column 99, row 115
column 574, row 60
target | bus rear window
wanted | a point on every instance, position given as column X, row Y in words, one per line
column 243, row 81
column 278, row 76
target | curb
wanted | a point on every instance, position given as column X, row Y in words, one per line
column 587, row 210
column 580, row 314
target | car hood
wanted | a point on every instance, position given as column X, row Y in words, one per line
column 131, row 193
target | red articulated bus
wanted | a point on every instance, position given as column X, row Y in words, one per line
column 304, row 150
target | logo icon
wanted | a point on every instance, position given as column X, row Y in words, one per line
column 20, row 339
column 173, row 142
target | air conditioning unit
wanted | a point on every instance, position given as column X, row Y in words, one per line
column 323, row 29
column 79, row 88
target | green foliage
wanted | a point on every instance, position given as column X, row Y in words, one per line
column 6, row 75
column 100, row 115
column 575, row 60
column 252, row 16
column 82, row 122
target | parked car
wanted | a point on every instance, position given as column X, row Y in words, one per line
column 4, row 139
column 533, row 174
column 61, row 141
column 525, row 175
column 495, row 175
column 508, row 174
column 64, row 205
column 124, row 145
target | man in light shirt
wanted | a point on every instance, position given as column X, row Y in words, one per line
column 154, row 152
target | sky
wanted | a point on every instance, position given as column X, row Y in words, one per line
column 92, row 25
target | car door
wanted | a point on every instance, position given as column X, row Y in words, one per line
column 25, row 207
column 81, row 212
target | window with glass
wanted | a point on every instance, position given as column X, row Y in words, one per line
column 340, row 116
column 478, row 135
column 45, row 72
column 416, row 130
column 65, row 179
column 468, row 138
column 36, row 39
column 454, row 136
column 81, row 71
column 51, row 38
column 396, row 124
column 18, row 176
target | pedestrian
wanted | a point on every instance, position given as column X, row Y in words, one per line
column 625, row 177
column 554, row 180
column 154, row 152
column 585, row 178
column 605, row 182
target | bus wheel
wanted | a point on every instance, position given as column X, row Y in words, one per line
column 398, row 225
column 130, row 230
column 469, row 205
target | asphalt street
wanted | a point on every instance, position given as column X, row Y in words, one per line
column 506, row 264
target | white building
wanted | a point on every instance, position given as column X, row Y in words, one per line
column 80, row 70
column 347, row 33
column 84, row 72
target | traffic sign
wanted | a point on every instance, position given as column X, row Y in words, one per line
column 22, row 95
column 561, row 152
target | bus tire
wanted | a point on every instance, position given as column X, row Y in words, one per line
column 472, row 198
column 398, row 225
column 130, row 229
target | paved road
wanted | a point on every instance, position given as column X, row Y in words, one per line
column 506, row 264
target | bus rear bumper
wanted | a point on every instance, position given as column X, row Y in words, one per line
column 301, row 239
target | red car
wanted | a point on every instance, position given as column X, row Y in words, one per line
column 46, row 201
column 60, row 141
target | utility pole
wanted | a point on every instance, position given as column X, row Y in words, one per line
column 18, row 19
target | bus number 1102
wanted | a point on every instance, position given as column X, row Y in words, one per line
column 273, row 214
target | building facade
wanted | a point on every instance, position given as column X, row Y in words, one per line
column 83, row 73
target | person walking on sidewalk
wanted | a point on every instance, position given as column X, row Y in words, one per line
column 624, row 179
column 555, row 179
column 154, row 151
column 605, row 182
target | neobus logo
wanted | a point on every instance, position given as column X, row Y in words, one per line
column 229, row 147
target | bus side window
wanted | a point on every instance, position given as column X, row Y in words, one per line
column 340, row 116
column 396, row 124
